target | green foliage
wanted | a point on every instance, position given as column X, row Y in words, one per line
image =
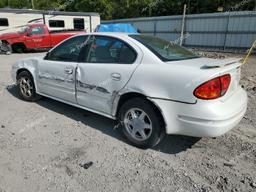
column 15, row 3
column 131, row 8
column 104, row 7
column 113, row 9
column 2, row 3
column 60, row 5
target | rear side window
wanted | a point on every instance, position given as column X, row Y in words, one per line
column 101, row 49
column 127, row 55
column 69, row 50
column 4, row 22
column 78, row 23
column 56, row 23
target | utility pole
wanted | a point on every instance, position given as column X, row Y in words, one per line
column 32, row 4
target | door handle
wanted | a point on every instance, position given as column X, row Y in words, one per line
column 68, row 70
column 116, row 76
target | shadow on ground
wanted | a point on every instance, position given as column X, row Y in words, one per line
column 171, row 144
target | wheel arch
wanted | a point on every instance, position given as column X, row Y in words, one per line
column 130, row 95
column 5, row 41
column 31, row 72
column 18, row 44
column 21, row 70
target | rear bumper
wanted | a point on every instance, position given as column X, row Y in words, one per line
column 205, row 118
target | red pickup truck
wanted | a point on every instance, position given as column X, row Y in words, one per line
column 35, row 36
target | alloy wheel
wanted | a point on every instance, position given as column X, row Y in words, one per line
column 26, row 86
column 138, row 124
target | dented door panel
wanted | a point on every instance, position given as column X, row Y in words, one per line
column 108, row 67
column 98, row 84
column 57, row 79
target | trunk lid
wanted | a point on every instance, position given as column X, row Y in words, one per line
column 208, row 69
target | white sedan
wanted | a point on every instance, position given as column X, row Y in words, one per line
column 151, row 86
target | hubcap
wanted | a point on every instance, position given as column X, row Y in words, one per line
column 138, row 124
column 26, row 87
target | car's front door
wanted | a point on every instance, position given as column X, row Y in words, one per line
column 107, row 65
column 57, row 71
column 37, row 38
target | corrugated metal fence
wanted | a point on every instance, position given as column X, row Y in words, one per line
column 228, row 31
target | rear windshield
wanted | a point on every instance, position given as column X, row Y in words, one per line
column 165, row 50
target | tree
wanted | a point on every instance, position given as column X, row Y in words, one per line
column 19, row 4
column 49, row 4
column 117, row 9
column 104, row 7
column 168, row 7
column 3, row 3
column 132, row 8
column 15, row 3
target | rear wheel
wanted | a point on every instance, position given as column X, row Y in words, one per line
column 141, row 124
column 26, row 86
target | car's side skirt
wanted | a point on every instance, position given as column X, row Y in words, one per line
column 78, row 106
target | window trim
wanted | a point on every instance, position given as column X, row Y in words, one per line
column 55, row 20
column 116, row 38
column 4, row 19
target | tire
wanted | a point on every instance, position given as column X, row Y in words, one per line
column 26, row 87
column 137, row 116
column 6, row 48
column 19, row 48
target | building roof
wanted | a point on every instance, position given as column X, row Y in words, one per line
column 47, row 12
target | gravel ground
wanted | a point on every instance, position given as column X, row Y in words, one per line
column 50, row 146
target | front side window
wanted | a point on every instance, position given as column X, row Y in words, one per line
column 165, row 50
column 103, row 49
column 56, row 23
column 37, row 30
column 69, row 50
column 4, row 22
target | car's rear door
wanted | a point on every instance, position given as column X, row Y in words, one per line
column 57, row 72
column 107, row 63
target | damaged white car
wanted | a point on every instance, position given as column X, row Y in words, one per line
column 151, row 86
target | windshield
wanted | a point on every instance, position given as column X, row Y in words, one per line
column 23, row 30
column 165, row 50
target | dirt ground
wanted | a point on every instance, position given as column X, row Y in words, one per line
column 50, row 146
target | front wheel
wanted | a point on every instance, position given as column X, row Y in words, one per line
column 26, row 86
column 141, row 124
column 6, row 48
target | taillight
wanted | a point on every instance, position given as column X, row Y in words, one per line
column 214, row 88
